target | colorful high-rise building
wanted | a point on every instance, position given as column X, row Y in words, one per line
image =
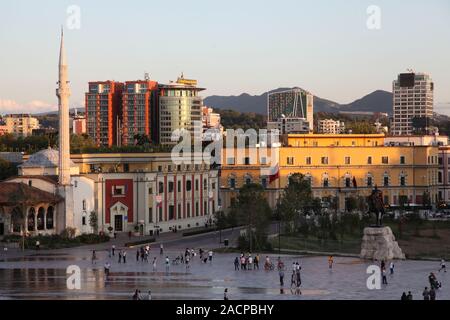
column 103, row 112
column 139, row 110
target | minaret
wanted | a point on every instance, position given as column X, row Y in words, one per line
column 63, row 93
column 65, row 210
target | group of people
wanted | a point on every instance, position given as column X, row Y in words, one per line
column 246, row 262
column 137, row 295
column 143, row 253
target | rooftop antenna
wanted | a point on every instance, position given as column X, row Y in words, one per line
column 146, row 76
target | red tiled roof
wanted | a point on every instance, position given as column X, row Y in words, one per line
column 12, row 193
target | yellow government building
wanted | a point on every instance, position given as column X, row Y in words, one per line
column 340, row 166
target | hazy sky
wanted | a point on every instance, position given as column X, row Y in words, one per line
column 231, row 46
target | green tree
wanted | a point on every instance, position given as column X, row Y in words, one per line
column 254, row 212
column 296, row 200
column 7, row 169
column 93, row 221
column 80, row 142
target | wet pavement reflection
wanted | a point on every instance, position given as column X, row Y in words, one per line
column 43, row 276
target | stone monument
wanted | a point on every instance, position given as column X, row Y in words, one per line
column 378, row 242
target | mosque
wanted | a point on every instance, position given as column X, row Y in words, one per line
column 145, row 193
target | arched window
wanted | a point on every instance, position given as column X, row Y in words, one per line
column 41, row 219
column 50, row 219
column 248, row 178
column 16, row 220
column 31, row 219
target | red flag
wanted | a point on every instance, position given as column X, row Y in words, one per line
column 275, row 174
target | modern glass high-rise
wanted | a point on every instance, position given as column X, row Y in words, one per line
column 413, row 99
column 293, row 103
column 180, row 107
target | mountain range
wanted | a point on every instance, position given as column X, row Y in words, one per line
column 377, row 101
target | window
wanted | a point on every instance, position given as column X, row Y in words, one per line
column 213, row 186
column 205, row 208
column 126, row 167
column 347, row 160
column 308, row 160
column 386, row 181
column 248, row 180
column 385, row 160
column 179, row 186
column 324, row 160
column 440, row 161
column 188, row 185
column 290, row 161
column 161, row 187
column 196, row 185
column 170, row 186
column 247, row 161
column 263, row 160
column 150, row 215
column 440, row 177
column 188, row 210
column 232, row 183
column 84, row 204
column 150, row 191
column 171, row 212
column 402, row 160
column 179, row 211
column 118, row 190
column 179, row 168
column 196, row 209
column 83, row 220
column 159, row 168
column 348, row 182
column 160, row 214
column 402, row 181
column 230, row 161
column 264, row 183
column 325, row 183
column 205, row 184
column 369, row 160
column 369, row 181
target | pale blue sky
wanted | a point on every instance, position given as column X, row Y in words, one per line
column 229, row 46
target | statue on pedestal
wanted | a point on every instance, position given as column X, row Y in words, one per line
column 376, row 205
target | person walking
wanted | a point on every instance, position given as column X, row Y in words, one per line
column 113, row 250
column 281, row 274
column 124, row 256
column 236, row 264
column 107, row 268
column 120, row 256
column 330, row 262
column 167, row 263
column 94, row 257
column 391, row 267
column 225, row 295
column 293, row 279
column 154, row 263
column 404, row 297
column 250, row 262
column 137, row 255
column 136, row 295
column 149, row 297
column 38, row 245
column 383, row 273
column 210, row 256
column 443, row 266
column 256, row 262
column 383, row 265
column 161, row 249
column 432, row 294
column 299, row 279
column 409, row 296
column 426, row 294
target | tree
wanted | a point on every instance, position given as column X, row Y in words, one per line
column 253, row 211
column 93, row 221
column 80, row 142
column 7, row 169
column 296, row 200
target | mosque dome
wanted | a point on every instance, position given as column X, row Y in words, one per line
column 48, row 158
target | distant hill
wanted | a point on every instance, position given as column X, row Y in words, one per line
column 377, row 101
